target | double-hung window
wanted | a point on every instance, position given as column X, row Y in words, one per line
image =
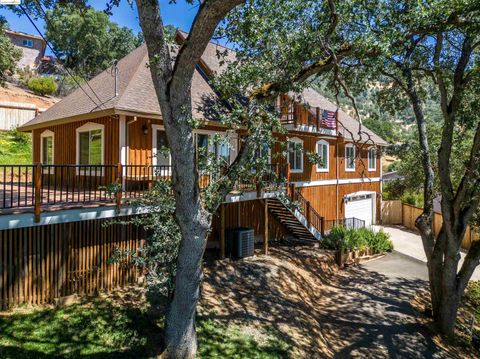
column 349, row 157
column 372, row 159
column 46, row 147
column 295, row 155
column 322, row 152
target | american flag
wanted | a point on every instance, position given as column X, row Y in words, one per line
column 328, row 119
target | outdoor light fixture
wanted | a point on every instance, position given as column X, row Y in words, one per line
column 145, row 129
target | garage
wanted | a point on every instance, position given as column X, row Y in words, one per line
column 361, row 205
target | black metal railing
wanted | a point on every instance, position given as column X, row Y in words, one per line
column 37, row 186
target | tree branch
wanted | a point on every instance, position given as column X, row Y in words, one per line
column 210, row 13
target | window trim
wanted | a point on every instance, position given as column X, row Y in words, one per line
column 374, row 168
column 27, row 43
column 91, row 126
column 44, row 134
column 352, row 146
column 299, row 141
column 323, row 143
column 155, row 129
column 211, row 145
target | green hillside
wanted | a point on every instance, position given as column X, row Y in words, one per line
column 15, row 148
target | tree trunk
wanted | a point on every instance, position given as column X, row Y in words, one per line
column 180, row 334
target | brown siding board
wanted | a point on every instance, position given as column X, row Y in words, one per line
column 39, row 264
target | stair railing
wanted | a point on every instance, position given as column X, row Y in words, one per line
column 313, row 218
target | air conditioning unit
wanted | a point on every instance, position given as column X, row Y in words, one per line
column 240, row 242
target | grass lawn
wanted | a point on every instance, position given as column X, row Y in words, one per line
column 15, row 148
column 105, row 328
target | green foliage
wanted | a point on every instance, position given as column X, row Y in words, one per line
column 15, row 147
column 67, row 84
column 86, row 39
column 109, row 329
column 42, row 85
column 9, row 55
column 159, row 253
column 341, row 238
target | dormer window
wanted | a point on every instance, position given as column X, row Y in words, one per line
column 27, row 43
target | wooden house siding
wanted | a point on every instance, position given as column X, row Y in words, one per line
column 65, row 141
column 324, row 198
column 248, row 214
column 39, row 264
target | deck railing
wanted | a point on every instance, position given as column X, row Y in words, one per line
column 33, row 187
column 313, row 218
column 291, row 114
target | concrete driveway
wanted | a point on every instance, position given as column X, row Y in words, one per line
column 410, row 244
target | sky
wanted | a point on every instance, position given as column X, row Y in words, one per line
column 180, row 15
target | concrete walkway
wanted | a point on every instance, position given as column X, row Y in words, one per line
column 409, row 243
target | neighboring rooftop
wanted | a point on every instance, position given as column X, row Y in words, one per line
column 24, row 34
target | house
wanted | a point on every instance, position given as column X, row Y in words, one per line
column 18, row 106
column 99, row 147
column 32, row 47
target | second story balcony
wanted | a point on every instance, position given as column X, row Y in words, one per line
column 298, row 117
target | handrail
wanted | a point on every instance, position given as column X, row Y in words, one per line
column 38, row 185
column 314, row 219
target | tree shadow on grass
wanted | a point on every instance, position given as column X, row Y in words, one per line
column 93, row 329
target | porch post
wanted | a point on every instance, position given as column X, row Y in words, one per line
column 308, row 214
column 318, row 119
column 222, row 231
column 265, row 227
column 38, row 191
column 122, row 145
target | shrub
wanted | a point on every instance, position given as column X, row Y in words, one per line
column 341, row 238
column 42, row 85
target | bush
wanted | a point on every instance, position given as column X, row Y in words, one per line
column 341, row 238
column 42, row 85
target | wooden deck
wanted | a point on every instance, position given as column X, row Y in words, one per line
column 36, row 188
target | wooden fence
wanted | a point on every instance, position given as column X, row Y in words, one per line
column 39, row 264
column 396, row 212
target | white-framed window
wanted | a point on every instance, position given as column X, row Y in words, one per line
column 295, row 155
column 372, row 159
column 160, row 147
column 349, row 157
column 323, row 154
column 27, row 43
column 47, row 143
column 206, row 144
column 90, row 144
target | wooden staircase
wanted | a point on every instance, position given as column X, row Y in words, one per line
column 286, row 217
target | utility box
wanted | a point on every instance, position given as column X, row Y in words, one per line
column 240, row 242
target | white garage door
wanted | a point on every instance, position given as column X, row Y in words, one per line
column 360, row 207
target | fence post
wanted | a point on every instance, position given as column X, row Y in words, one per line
column 118, row 188
column 322, row 226
column 292, row 191
column 38, row 191
column 308, row 214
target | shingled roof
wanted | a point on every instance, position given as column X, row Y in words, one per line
column 136, row 94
